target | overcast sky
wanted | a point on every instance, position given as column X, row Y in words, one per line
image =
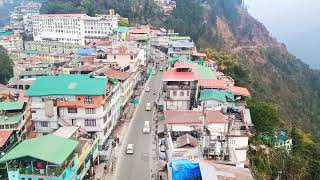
column 294, row 22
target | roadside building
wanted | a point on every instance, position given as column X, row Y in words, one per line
column 121, row 33
column 91, row 103
column 178, row 88
column 73, row 28
column 44, row 157
column 14, row 123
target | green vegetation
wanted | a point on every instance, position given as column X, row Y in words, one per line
column 265, row 116
column 229, row 65
column 6, row 70
column 87, row 7
column 123, row 21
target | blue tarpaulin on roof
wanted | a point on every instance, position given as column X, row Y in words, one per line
column 85, row 51
column 184, row 169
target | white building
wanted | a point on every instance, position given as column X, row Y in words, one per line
column 66, row 100
column 73, row 28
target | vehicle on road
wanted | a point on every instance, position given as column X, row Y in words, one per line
column 148, row 107
column 161, row 68
column 147, row 89
column 130, row 149
column 146, row 127
column 154, row 72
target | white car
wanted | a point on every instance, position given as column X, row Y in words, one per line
column 146, row 127
column 161, row 68
column 153, row 72
column 148, row 107
column 129, row 149
column 147, row 89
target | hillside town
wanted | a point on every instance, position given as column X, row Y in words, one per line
column 92, row 99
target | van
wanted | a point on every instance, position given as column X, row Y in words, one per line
column 148, row 107
column 146, row 127
column 129, row 149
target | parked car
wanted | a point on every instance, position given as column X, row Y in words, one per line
column 130, row 149
column 146, row 127
column 154, row 72
column 148, row 107
column 161, row 68
column 147, row 89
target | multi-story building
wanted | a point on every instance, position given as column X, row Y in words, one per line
column 44, row 157
column 51, row 47
column 66, row 100
column 178, row 87
column 14, row 123
column 11, row 41
column 73, row 28
column 181, row 46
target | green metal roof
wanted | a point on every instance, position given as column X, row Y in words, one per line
column 208, row 94
column 11, row 118
column 4, row 34
column 67, row 84
column 174, row 59
column 121, row 29
column 11, row 105
column 48, row 148
column 204, row 72
column 180, row 38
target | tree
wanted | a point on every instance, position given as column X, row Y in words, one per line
column 6, row 69
column 88, row 7
column 123, row 21
column 265, row 116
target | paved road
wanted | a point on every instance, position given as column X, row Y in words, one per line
column 137, row 166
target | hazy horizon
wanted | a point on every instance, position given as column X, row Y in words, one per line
column 293, row 22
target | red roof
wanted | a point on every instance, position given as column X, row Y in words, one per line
column 4, row 136
column 59, row 15
column 183, row 64
column 87, row 58
column 111, row 73
column 182, row 117
column 216, row 117
column 221, row 84
column 240, row 91
column 179, row 76
column 193, row 117
column 140, row 30
column 198, row 54
column 216, row 84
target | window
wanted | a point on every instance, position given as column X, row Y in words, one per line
column 90, row 110
column 181, row 93
column 72, row 110
column 90, row 122
column 88, row 100
column 187, row 93
column 174, row 93
column 131, row 57
column 33, row 111
column 44, row 124
column 114, row 56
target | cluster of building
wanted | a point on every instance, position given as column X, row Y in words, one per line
column 167, row 6
column 70, row 87
column 73, row 80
